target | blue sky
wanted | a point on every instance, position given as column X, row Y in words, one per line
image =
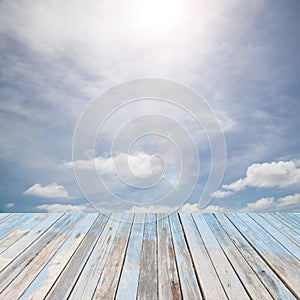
column 243, row 57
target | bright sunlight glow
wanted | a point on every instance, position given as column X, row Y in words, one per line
column 159, row 16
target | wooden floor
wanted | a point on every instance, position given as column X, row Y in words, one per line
column 181, row 256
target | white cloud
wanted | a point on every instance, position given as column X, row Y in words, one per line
column 222, row 194
column 9, row 205
column 52, row 190
column 140, row 164
column 55, row 208
column 263, row 204
column 280, row 174
column 289, row 200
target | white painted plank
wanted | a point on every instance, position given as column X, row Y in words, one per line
column 286, row 266
column 248, row 277
column 168, row 280
column 21, row 231
column 67, row 279
column 276, row 234
column 16, row 288
column 128, row 284
column 290, row 234
column 147, row 284
column 109, row 279
column 271, row 281
column 41, row 285
column 230, row 281
column 188, row 280
column 206, row 272
column 14, row 265
column 287, row 222
column 87, row 282
column 3, row 216
column 10, row 224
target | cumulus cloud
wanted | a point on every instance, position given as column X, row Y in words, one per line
column 52, row 190
column 263, row 204
column 222, row 194
column 140, row 164
column 289, row 200
column 56, row 208
column 280, row 174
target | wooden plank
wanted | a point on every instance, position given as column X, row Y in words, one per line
column 147, row 284
column 128, row 283
column 249, row 278
column 188, row 280
column 109, row 279
column 10, row 224
column 287, row 222
column 229, row 279
column 16, row 288
column 7, row 256
column 41, row 285
column 276, row 234
column 285, row 265
column 87, row 282
column 290, row 261
column 294, row 218
column 15, row 265
column 66, row 281
column 211, row 286
column 271, row 281
column 168, row 280
column 3, row 216
column 293, row 236
column 21, row 231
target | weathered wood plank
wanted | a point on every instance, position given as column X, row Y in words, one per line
column 285, row 265
column 168, row 280
column 13, row 263
column 293, row 236
column 16, row 287
column 21, row 231
column 87, row 282
column 3, row 216
column 287, row 222
column 67, row 279
column 276, row 234
column 147, row 284
column 8, row 255
column 249, row 278
column 108, row 281
column 128, row 283
column 10, row 224
column 230, row 281
column 206, row 272
column 41, row 285
column 271, row 281
column 188, row 280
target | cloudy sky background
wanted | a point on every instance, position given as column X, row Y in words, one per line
column 242, row 56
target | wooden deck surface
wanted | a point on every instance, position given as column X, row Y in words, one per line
column 149, row 256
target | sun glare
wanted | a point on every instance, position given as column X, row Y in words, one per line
column 159, row 16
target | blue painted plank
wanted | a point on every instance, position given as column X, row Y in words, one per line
column 128, row 284
column 67, row 279
column 17, row 286
column 276, row 234
column 109, row 279
column 41, row 285
column 285, row 265
column 271, row 281
column 229, row 279
column 188, row 279
column 293, row 236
